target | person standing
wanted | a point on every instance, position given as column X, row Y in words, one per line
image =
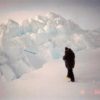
column 69, row 59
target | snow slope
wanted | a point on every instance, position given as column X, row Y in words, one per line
column 50, row 82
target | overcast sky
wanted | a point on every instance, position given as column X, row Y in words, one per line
column 84, row 12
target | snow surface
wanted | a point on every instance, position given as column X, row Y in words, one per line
column 45, row 37
column 50, row 82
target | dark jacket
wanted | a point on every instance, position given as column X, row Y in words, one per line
column 69, row 58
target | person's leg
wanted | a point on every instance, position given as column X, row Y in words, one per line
column 71, row 75
column 68, row 73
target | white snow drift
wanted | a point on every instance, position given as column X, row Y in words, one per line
column 50, row 82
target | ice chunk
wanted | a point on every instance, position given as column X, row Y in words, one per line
column 7, row 72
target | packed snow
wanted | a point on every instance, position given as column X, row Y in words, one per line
column 50, row 82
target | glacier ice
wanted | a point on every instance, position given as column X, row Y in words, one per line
column 46, row 36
